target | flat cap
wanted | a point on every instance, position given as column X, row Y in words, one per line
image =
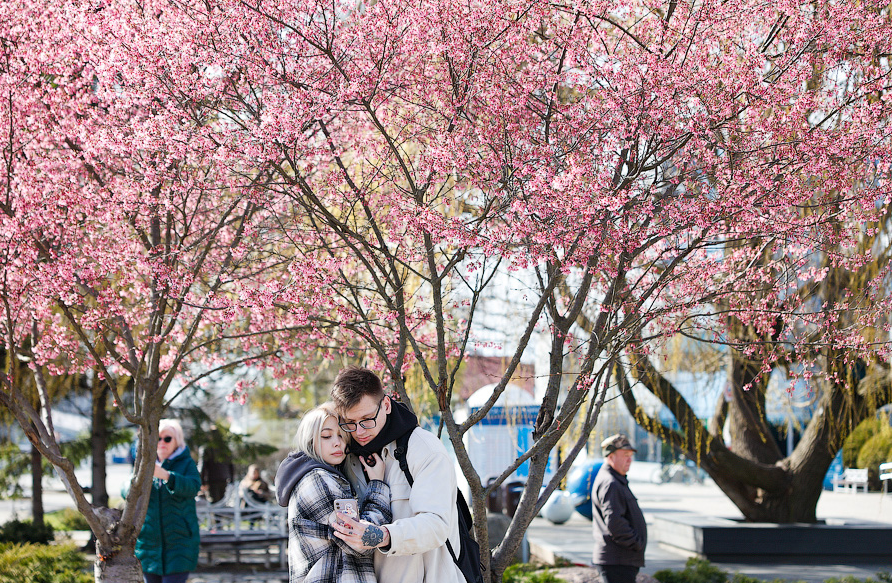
column 615, row 442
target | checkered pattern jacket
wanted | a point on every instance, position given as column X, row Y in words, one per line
column 315, row 555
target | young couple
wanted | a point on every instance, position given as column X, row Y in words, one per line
column 347, row 449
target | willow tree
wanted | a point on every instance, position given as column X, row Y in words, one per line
column 816, row 311
column 810, row 341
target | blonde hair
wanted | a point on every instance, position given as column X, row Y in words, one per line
column 174, row 426
column 306, row 439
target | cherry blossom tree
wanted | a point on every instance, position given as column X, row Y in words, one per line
column 125, row 244
column 627, row 156
column 245, row 179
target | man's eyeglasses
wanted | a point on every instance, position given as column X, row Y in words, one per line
column 165, row 439
column 367, row 423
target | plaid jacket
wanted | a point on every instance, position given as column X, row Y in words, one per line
column 315, row 555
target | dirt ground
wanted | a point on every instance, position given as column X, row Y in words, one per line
column 588, row 575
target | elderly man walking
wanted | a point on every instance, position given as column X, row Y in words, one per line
column 619, row 528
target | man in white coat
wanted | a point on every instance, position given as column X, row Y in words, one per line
column 412, row 549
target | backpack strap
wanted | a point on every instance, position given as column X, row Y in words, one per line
column 402, row 448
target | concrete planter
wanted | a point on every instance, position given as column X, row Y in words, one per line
column 726, row 540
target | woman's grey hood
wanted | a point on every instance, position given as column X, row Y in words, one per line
column 291, row 470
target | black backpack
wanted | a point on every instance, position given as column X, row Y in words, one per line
column 468, row 560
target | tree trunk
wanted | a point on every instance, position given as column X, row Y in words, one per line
column 753, row 473
column 99, row 442
column 750, row 434
column 794, row 503
column 117, row 567
column 36, row 487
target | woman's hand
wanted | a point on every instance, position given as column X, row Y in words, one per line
column 360, row 534
column 375, row 472
column 161, row 472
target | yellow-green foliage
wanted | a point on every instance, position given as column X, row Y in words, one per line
column 66, row 519
column 31, row 563
column 876, row 451
column 856, row 440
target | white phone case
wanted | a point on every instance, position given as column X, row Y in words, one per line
column 348, row 506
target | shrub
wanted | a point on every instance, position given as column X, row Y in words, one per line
column 526, row 573
column 67, row 519
column 856, row 440
column 882, row 575
column 702, row 571
column 695, row 571
column 874, row 452
column 25, row 531
column 30, row 563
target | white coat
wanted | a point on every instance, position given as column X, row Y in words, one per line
column 424, row 515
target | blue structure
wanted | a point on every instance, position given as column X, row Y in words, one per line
column 834, row 470
column 579, row 483
column 503, row 435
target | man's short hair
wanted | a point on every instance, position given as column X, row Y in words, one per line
column 352, row 384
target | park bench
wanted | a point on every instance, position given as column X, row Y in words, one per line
column 885, row 475
column 851, row 479
column 236, row 522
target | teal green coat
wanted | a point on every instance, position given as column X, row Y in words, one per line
column 168, row 541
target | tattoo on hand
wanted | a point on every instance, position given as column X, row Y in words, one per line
column 373, row 536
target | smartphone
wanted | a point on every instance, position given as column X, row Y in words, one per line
column 348, row 506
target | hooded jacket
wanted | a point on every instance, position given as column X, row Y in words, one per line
column 168, row 541
column 308, row 488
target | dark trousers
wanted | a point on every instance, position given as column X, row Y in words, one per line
column 216, row 490
column 616, row 573
column 172, row 578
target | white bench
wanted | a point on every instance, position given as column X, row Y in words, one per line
column 851, row 479
column 885, row 475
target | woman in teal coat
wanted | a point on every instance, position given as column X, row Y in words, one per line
column 167, row 545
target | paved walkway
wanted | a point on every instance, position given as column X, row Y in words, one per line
column 573, row 539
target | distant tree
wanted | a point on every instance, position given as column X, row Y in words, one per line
column 809, row 339
column 18, row 463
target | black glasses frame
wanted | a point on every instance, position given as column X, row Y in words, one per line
column 165, row 439
column 367, row 423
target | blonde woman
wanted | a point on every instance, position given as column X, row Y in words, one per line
column 308, row 482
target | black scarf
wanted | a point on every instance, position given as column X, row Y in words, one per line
column 399, row 422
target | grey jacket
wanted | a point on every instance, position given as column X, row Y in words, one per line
column 619, row 528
